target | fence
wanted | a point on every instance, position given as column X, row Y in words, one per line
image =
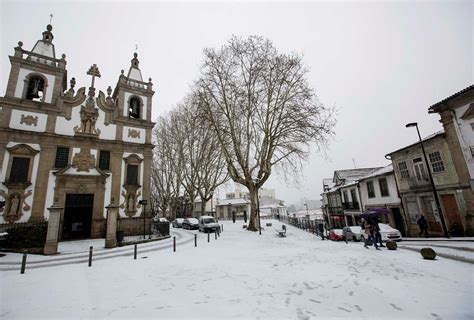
column 139, row 226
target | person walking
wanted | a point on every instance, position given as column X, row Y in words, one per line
column 369, row 232
column 423, row 224
column 377, row 235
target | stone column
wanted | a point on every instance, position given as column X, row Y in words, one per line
column 51, row 246
column 111, row 233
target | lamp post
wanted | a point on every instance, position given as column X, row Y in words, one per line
column 212, row 207
column 307, row 212
column 258, row 208
column 433, row 187
column 143, row 203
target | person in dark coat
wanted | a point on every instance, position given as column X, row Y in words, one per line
column 377, row 235
column 370, row 232
column 423, row 224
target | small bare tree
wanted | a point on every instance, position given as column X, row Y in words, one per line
column 262, row 109
column 204, row 167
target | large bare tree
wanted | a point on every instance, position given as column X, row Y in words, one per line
column 167, row 175
column 263, row 110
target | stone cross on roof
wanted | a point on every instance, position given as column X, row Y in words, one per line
column 94, row 72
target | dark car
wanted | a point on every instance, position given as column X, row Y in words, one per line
column 177, row 223
column 191, row 224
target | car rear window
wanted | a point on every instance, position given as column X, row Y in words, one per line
column 209, row 220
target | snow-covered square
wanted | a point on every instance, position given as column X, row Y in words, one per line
column 242, row 275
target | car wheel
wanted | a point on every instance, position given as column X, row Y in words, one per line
column 354, row 238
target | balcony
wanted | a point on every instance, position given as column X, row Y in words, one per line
column 350, row 206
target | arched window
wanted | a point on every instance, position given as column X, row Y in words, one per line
column 35, row 88
column 134, row 108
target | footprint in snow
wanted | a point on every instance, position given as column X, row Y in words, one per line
column 315, row 301
column 437, row 317
column 358, row 308
column 351, row 293
column 301, row 315
column 344, row 309
column 396, row 307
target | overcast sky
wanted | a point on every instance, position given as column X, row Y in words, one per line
column 380, row 64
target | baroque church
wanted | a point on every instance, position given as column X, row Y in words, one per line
column 76, row 148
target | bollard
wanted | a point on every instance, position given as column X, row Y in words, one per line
column 208, row 233
column 219, row 232
column 23, row 262
column 174, row 244
column 215, row 234
column 135, row 252
column 195, row 240
column 222, row 227
column 90, row 255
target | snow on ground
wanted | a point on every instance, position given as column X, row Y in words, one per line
column 244, row 275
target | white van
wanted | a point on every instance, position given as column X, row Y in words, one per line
column 208, row 224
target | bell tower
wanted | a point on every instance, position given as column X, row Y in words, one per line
column 133, row 95
column 37, row 75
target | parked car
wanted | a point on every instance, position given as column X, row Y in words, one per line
column 191, row 224
column 156, row 219
column 387, row 233
column 208, row 224
column 177, row 223
column 352, row 233
column 336, row 235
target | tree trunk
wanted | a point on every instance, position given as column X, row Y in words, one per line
column 203, row 207
column 253, row 221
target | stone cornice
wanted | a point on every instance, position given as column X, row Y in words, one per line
column 37, row 66
column 46, row 135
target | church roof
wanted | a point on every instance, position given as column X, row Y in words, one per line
column 134, row 72
column 45, row 47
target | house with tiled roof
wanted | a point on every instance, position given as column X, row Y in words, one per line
column 457, row 116
column 415, row 190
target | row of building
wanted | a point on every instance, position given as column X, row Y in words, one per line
column 404, row 186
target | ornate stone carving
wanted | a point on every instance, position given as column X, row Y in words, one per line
column 89, row 115
column 84, row 160
column 130, row 203
column 29, row 120
column 135, row 134
column 15, row 204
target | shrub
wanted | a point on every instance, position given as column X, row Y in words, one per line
column 428, row 253
column 27, row 236
column 391, row 245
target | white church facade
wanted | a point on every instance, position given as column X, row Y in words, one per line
column 77, row 148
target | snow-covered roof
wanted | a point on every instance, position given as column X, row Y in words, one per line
column 431, row 136
column 385, row 170
column 226, row 202
column 353, row 174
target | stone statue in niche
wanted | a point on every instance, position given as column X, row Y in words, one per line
column 131, row 203
column 14, row 205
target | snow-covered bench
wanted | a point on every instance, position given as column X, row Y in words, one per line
column 282, row 232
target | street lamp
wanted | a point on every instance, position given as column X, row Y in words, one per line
column 143, row 203
column 433, row 187
column 258, row 208
column 212, row 207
